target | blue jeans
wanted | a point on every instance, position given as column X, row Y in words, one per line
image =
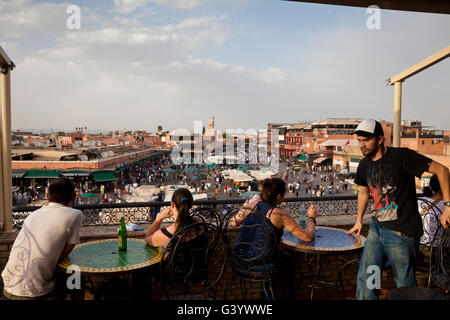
column 381, row 245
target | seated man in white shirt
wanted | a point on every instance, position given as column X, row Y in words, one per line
column 47, row 235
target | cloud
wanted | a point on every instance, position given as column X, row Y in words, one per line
column 24, row 18
column 345, row 69
column 133, row 94
column 135, row 72
column 127, row 6
column 134, row 77
column 155, row 45
column 180, row 4
column 8, row 45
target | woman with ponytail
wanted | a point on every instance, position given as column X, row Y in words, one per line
column 188, row 251
column 179, row 209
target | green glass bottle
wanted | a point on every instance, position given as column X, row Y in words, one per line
column 122, row 235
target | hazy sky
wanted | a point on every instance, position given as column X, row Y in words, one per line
column 137, row 64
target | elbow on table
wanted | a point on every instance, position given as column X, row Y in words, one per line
column 309, row 237
column 305, row 236
column 148, row 240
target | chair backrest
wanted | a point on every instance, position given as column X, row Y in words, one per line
column 432, row 229
column 437, row 239
column 194, row 261
column 439, row 270
column 205, row 214
column 256, row 243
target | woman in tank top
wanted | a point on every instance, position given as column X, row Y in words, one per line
column 179, row 209
column 272, row 195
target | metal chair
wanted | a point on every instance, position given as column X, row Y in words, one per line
column 350, row 267
column 250, row 253
column 205, row 214
column 193, row 262
column 435, row 244
column 439, row 265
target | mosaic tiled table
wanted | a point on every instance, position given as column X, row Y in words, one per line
column 326, row 241
column 103, row 256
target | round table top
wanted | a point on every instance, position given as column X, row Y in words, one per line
column 326, row 239
column 103, row 256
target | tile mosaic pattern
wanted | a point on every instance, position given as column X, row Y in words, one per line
column 103, row 256
column 326, row 239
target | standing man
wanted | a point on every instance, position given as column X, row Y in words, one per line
column 388, row 175
column 47, row 235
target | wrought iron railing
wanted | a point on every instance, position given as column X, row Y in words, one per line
column 144, row 212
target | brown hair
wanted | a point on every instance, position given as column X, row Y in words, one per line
column 432, row 187
column 61, row 191
column 183, row 200
column 271, row 188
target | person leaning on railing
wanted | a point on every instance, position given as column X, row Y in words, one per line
column 272, row 195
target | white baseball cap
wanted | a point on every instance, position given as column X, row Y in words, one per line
column 368, row 128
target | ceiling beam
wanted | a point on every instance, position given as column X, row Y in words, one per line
column 422, row 65
column 430, row 6
column 5, row 62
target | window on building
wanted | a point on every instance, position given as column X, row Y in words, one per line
column 423, row 142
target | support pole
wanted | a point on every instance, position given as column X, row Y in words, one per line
column 6, row 149
column 402, row 76
column 397, row 112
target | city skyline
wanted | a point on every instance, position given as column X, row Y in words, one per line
column 140, row 64
column 86, row 130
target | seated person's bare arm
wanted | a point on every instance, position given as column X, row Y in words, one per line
column 246, row 209
column 282, row 219
column 154, row 236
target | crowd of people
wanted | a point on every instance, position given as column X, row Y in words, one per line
column 25, row 196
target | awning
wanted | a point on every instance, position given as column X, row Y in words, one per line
column 18, row 174
column 101, row 176
column 320, row 160
column 42, row 174
column 302, row 157
column 75, row 173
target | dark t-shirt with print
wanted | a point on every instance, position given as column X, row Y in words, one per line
column 395, row 204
